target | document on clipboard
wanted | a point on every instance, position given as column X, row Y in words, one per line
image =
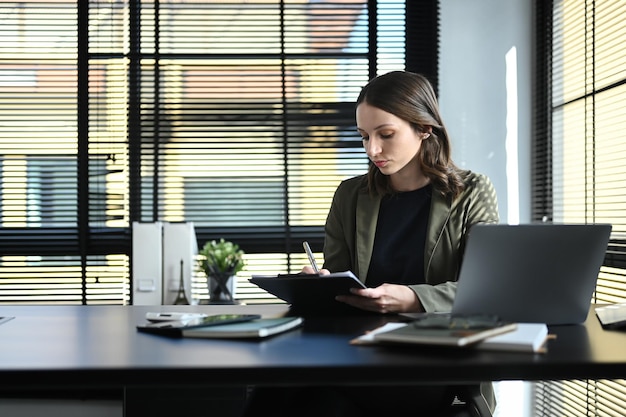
column 311, row 293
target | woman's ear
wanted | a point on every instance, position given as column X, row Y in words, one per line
column 427, row 131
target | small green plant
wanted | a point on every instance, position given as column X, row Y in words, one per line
column 221, row 257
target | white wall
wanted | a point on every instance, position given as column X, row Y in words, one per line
column 485, row 91
column 490, row 124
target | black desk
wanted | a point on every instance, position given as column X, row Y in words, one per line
column 98, row 347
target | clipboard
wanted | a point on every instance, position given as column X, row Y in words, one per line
column 312, row 294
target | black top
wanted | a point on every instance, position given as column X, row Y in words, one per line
column 398, row 254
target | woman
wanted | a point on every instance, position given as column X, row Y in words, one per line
column 401, row 228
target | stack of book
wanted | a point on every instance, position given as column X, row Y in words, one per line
column 471, row 333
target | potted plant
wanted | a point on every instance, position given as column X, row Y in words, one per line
column 221, row 260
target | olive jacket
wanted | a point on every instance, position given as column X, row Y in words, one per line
column 351, row 226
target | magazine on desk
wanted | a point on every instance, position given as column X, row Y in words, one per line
column 249, row 326
column 311, row 293
column 525, row 337
column 254, row 329
column 446, row 330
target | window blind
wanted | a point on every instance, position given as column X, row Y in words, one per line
column 581, row 145
column 41, row 258
column 237, row 116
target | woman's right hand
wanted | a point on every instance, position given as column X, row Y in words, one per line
column 310, row 271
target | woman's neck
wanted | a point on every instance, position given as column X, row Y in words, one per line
column 409, row 180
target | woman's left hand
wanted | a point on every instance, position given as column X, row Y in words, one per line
column 386, row 298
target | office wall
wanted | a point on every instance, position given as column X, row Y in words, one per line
column 485, row 89
column 485, row 83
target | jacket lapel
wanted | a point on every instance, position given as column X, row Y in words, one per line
column 366, row 218
column 439, row 215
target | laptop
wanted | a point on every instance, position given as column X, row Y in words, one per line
column 531, row 273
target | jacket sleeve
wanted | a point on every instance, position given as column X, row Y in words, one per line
column 477, row 204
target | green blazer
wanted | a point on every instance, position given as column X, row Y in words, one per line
column 351, row 226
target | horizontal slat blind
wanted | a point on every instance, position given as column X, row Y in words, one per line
column 40, row 260
column 248, row 118
column 254, row 130
column 583, row 398
column 588, row 90
column 589, row 170
column 237, row 116
column 59, row 280
column 38, row 114
column 249, row 111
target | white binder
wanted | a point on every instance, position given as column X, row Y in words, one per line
column 147, row 263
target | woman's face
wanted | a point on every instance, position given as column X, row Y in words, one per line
column 390, row 142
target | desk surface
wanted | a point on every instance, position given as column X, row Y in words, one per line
column 99, row 347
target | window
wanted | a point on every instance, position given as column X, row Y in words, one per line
column 580, row 161
column 238, row 116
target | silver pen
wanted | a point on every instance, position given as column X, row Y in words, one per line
column 309, row 253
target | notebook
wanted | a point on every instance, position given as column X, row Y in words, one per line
column 531, row 273
column 612, row 316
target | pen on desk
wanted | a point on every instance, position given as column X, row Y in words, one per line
column 309, row 253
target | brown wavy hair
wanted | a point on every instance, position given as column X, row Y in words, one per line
column 411, row 97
